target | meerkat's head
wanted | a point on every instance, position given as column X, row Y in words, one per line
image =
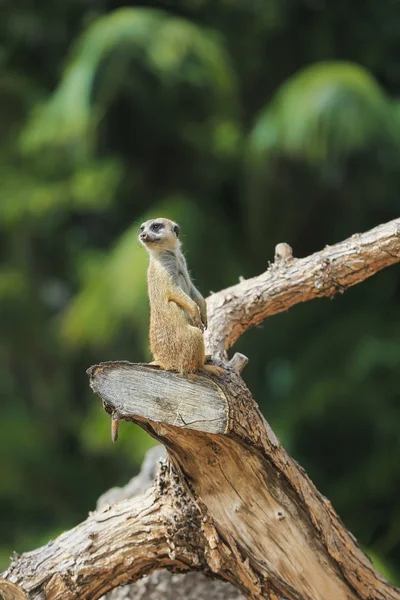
column 159, row 235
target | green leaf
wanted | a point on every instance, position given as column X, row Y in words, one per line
column 324, row 113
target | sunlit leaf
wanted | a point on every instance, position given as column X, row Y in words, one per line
column 324, row 113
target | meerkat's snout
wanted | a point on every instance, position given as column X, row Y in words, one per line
column 144, row 236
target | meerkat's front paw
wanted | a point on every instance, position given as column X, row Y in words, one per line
column 213, row 369
column 197, row 322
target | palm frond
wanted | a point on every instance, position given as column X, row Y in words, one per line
column 171, row 48
column 324, row 113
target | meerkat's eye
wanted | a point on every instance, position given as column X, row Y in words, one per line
column 176, row 230
column 141, row 228
column 156, row 226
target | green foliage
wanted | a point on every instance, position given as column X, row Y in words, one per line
column 248, row 123
column 91, row 187
column 324, row 114
column 119, row 46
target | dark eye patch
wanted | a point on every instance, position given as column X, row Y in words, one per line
column 156, row 226
column 141, row 228
column 176, row 230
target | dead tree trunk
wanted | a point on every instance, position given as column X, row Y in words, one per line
column 228, row 501
column 163, row 585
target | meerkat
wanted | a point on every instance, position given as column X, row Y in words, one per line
column 178, row 313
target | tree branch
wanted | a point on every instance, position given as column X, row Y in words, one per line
column 117, row 544
column 289, row 281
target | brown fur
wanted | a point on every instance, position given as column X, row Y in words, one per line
column 178, row 313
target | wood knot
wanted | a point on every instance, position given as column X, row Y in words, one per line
column 238, row 362
column 283, row 253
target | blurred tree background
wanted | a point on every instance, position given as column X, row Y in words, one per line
column 248, row 122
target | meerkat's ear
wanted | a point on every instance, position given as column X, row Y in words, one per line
column 176, row 230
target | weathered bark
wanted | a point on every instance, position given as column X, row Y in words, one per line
column 290, row 281
column 229, row 501
column 115, row 545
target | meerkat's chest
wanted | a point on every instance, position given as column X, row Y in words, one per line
column 159, row 283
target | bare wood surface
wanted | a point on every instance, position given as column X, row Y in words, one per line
column 163, row 585
column 229, row 501
column 289, row 281
column 171, row 400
